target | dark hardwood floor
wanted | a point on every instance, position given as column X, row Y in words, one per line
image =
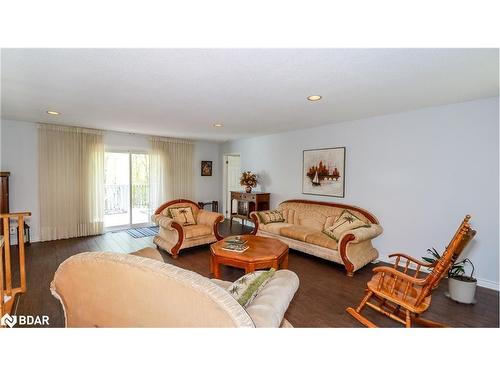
column 324, row 293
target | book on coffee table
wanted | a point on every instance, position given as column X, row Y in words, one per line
column 235, row 247
column 235, row 240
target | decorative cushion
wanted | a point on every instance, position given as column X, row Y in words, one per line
column 246, row 288
column 271, row 217
column 346, row 221
column 329, row 221
column 183, row 215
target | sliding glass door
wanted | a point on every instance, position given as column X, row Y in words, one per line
column 126, row 189
column 140, row 188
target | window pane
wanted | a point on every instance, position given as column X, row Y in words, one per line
column 140, row 188
column 116, row 189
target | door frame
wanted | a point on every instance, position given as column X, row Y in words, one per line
column 129, row 225
column 225, row 209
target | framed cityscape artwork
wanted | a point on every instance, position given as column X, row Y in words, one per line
column 206, row 168
column 324, row 172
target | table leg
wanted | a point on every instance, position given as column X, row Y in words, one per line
column 215, row 268
column 284, row 262
column 249, row 268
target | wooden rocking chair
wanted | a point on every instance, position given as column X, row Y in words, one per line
column 403, row 296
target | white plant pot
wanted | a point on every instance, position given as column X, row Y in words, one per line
column 462, row 291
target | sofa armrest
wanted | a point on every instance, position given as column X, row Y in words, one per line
column 363, row 233
column 163, row 221
column 256, row 221
column 211, row 219
column 357, row 243
column 256, row 217
column 269, row 306
column 155, row 217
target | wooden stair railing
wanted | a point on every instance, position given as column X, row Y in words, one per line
column 8, row 291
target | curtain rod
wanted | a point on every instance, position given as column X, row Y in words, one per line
column 120, row 132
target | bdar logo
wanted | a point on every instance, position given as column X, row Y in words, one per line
column 8, row 320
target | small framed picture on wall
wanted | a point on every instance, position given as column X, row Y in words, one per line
column 206, row 168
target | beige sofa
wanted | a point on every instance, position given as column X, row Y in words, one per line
column 101, row 289
column 174, row 237
column 302, row 230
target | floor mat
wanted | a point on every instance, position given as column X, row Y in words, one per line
column 143, row 232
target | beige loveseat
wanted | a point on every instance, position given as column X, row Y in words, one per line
column 174, row 237
column 104, row 289
column 302, row 230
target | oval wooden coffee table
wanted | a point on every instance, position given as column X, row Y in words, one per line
column 263, row 252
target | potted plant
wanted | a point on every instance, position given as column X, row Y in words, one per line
column 461, row 288
column 249, row 180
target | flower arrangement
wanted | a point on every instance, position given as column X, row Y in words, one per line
column 249, row 180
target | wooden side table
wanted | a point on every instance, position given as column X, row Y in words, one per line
column 248, row 202
column 213, row 204
column 263, row 253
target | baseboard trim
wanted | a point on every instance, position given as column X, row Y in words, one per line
column 488, row 284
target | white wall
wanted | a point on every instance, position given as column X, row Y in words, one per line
column 208, row 188
column 19, row 156
column 419, row 172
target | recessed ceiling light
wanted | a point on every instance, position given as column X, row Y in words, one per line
column 314, row 98
column 218, row 125
column 55, row 113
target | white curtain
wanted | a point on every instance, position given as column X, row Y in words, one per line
column 71, row 181
column 171, row 170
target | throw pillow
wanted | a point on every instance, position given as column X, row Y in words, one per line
column 271, row 217
column 346, row 221
column 183, row 215
column 247, row 287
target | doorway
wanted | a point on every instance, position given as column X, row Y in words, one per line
column 232, row 173
column 126, row 189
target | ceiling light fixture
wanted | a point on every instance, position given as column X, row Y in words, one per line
column 218, row 125
column 314, row 98
column 55, row 113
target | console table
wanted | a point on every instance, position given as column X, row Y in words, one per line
column 246, row 203
column 213, row 204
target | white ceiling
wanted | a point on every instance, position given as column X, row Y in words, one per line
column 183, row 92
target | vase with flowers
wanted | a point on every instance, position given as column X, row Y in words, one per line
column 249, row 180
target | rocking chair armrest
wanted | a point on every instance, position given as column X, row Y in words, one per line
column 411, row 259
column 399, row 274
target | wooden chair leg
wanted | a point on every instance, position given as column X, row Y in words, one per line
column 356, row 313
column 408, row 319
column 365, row 299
